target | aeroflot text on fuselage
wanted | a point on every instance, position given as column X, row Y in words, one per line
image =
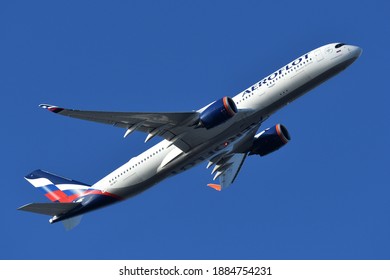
column 275, row 74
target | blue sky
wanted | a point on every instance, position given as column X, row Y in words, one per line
column 323, row 196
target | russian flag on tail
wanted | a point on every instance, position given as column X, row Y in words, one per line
column 57, row 188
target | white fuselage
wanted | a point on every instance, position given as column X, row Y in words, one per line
column 255, row 104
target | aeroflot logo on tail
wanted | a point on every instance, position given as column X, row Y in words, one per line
column 275, row 74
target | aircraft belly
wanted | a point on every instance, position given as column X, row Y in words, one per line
column 154, row 173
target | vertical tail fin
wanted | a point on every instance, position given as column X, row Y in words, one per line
column 56, row 188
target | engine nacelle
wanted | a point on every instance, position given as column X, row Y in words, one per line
column 270, row 140
column 218, row 112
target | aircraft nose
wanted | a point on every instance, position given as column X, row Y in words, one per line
column 355, row 51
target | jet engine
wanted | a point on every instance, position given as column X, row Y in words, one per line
column 270, row 140
column 218, row 112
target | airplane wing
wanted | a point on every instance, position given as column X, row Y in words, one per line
column 228, row 163
column 226, row 169
column 173, row 127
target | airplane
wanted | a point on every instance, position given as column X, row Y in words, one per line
column 223, row 133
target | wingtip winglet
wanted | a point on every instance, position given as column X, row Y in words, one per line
column 215, row 187
column 51, row 108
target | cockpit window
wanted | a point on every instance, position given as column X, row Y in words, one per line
column 339, row 45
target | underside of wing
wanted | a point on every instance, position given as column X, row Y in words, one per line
column 173, row 127
column 226, row 169
column 227, row 164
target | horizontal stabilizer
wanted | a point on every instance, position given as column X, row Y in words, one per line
column 51, row 209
